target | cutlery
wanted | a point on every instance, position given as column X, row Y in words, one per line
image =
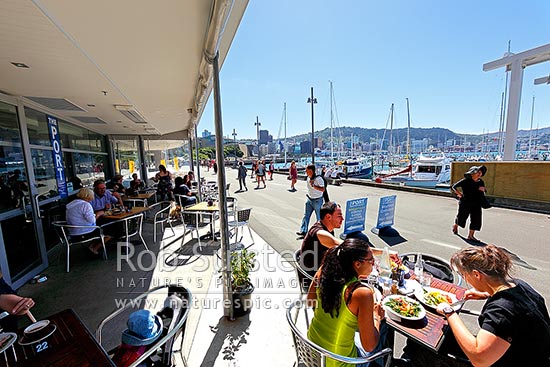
column 458, row 303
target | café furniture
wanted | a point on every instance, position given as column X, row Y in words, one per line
column 310, row 354
column 63, row 232
column 70, row 344
column 430, row 331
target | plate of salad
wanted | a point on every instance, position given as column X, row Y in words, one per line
column 403, row 308
column 431, row 297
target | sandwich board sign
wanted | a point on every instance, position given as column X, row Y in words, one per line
column 356, row 214
column 386, row 215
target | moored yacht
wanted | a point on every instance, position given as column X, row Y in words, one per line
column 426, row 172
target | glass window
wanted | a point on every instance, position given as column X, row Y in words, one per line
column 13, row 186
column 126, row 156
column 37, row 127
column 73, row 137
column 174, row 154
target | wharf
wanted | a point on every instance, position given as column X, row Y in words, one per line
column 423, row 222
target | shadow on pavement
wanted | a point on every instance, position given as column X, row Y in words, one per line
column 230, row 335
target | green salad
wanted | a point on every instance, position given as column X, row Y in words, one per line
column 403, row 307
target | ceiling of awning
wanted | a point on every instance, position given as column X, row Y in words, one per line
column 86, row 57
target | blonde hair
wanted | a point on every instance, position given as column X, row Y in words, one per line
column 85, row 194
column 490, row 260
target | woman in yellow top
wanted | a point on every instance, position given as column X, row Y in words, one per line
column 343, row 304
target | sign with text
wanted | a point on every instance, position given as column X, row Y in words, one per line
column 57, row 157
column 176, row 164
column 131, row 166
column 356, row 214
column 386, row 211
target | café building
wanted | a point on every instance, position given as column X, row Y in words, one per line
column 82, row 100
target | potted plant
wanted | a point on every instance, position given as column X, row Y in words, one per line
column 242, row 263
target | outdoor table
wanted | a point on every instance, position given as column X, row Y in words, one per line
column 203, row 208
column 429, row 332
column 123, row 214
column 143, row 197
column 71, row 344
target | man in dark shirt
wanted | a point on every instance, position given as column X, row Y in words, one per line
column 320, row 237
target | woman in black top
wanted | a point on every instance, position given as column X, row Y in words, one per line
column 515, row 325
column 473, row 190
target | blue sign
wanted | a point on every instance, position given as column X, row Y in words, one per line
column 386, row 211
column 356, row 214
column 57, row 157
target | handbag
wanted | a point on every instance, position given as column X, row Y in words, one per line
column 288, row 178
column 485, row 204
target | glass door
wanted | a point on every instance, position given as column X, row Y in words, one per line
column 22, row 249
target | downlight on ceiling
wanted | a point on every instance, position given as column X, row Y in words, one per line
column 131, row 113
column 20, row 65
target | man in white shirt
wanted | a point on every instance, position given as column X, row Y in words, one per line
column 315, row 189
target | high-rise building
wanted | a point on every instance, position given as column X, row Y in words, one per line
column 318, row 143
column 265, row 137
column 305, row 147
column 206, row 133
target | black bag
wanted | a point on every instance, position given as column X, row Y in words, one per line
column 485, row 204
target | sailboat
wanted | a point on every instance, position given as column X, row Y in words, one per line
column 352, row 166
column 426, row 171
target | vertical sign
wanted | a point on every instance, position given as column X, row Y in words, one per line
column 57, row 157
column 356, row 214
column 131, row 166
column 176, row 164
column 386, row 211
column 163, row 162
column 117, row 166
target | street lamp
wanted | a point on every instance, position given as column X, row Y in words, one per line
column 235, row 146
column 257, row 124
column 312, row 100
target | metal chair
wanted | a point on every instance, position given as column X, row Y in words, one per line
column 174, row 315
column 302, row 275
column 63, row 231
column 189, row 224
column 440, row 268
column 231, row 206
column 133, row 226
column 242, row 219
column 161, row 216
column 309, row 354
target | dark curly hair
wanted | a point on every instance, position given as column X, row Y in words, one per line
column 337, row 270
column 490, row 260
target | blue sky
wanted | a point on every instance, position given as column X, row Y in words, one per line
column 378, row 53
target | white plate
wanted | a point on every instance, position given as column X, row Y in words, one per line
column 25, row 340
column 408, row 288
column 422, row 291
column 398, row 317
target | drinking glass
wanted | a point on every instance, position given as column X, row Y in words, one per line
column 426, row 279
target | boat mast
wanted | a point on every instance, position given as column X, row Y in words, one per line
column 331, row 123
column 390, row 145
column 284, row 112
column 408, row 132
column 531, row 129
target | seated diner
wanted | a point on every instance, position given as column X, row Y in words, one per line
column 343, row 305
column 514, row 321
column 103, row 199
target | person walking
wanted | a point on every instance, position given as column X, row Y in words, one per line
column 271, row 170
column 470, row 200
column 293, row 176
column 315, row 189
column 241, row 175
column 260, row 174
